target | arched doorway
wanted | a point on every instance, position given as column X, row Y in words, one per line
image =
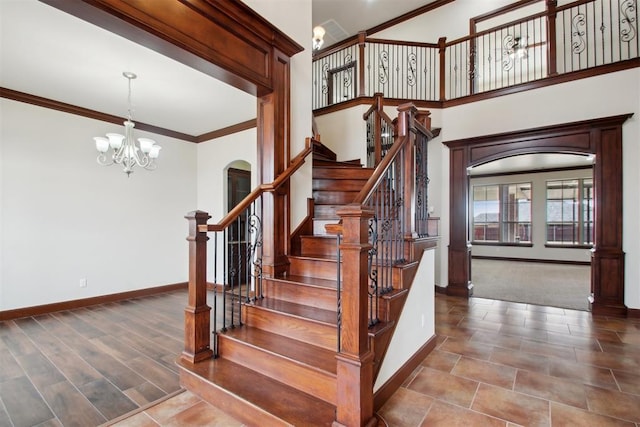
column 531, row 229
column 601, row 137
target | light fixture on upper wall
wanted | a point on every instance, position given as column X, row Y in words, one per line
column 126, row 151
column 318, row 37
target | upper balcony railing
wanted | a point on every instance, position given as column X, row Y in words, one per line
column 578, row 36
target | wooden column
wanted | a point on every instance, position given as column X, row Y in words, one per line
column 459, row 246
column 406, row 116
column 607, row 257
column 197, row 333
column 273, row 158
column 355, row 360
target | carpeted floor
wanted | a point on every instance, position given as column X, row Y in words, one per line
column 557, row 285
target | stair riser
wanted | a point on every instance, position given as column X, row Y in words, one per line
column 341, row 173
column 323, row 298
column 322, row 269
column 318, row 246
column 233, row 405
column 316, row 383
column 334, row 197
column 300, row 329
column 338, row 184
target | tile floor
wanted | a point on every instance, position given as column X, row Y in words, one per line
column 496, row 364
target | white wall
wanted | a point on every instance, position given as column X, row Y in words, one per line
column 602, row 96
column 416, row 324
column 450, row 21
column 214, row 159
column 345, row 133
column 64, row 217
column 538, row 218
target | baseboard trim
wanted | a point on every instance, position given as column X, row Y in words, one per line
column 393, row 384
column 633, row 313
column 545, row 261
column 441, row 289
column 86, row 302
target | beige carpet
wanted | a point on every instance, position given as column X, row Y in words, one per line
column 557, row 285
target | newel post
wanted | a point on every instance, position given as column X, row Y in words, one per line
column 197, row 332
column 355, row 360
column 406, row 115
column 377, row 132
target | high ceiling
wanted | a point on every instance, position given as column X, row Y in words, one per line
column 344, row 18
column 49, row 53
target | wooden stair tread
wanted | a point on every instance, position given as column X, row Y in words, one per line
column 309, row 281
column 287, row 403
column 306, row 354
column 298, row 310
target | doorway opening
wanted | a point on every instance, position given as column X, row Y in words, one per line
column 531, row 229
column 238, row 187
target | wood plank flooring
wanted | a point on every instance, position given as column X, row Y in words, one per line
column 88, row 366
column 496, row 363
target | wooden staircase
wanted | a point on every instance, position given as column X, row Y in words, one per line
column 279, row 366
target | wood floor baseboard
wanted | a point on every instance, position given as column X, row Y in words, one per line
column 388, row 388
column 633, row 313
column 85, row 302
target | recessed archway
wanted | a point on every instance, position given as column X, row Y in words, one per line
column 602, row 137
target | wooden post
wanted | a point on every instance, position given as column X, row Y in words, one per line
column 551, row 37
column 355, row 360
column 442, row 48
column 197, row 333
column 407, row 113
column 377, row 133
column 362, row 38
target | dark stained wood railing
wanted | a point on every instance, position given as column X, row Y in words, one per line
column 581, row 38
column 237, row 237
column 380, row 131
column 375, row 231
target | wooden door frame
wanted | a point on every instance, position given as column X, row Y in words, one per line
column 601, row 137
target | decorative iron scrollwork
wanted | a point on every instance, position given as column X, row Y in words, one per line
column 578, row 43
column 383, row 73
column 627, row 23
column 347, row 76
column 412, row 62
column 508, row 44
column 325, row 78
column 254, row 256
column 373, row 290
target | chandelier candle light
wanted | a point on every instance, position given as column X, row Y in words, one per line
column 125, row 149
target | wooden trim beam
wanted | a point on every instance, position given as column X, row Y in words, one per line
column 229, row 130
column 91, row 114
column 38, row 310
column 225, row 39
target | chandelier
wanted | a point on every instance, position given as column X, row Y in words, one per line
column 318, row 37
column 125, row 151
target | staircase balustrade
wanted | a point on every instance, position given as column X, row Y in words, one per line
column 584, row 38
column 237, row 256
column 380, row 131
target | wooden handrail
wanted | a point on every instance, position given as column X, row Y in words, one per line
column 234, row 213
column 378, row 172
